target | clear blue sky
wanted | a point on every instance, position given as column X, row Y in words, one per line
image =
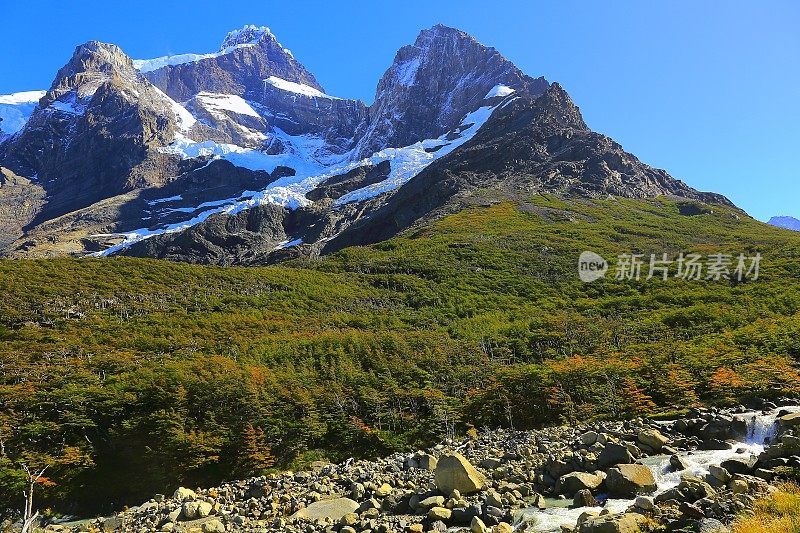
column 707, row 90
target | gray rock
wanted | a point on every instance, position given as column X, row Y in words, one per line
column 333, row 509
column 454, row 472
column 584, row 498
column 629, row 480
column 613, row 454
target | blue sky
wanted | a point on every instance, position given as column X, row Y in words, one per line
column 707, row 90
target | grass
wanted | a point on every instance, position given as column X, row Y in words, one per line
column 778, row 512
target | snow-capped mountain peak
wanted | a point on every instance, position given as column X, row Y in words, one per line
column 177, row 143
column 433, row 83
column 249, row 34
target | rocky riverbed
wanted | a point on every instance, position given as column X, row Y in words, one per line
column 693, row 473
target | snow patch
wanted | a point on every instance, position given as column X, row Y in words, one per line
column 498, row 90
column 288, row 244
column 72, row 105
column 298, row 88
column 237, row 39
column 216, row 103
column 149, row 65
column 175, row 198
column 16, row 109
column 407, row 72
column 409, row 161
column 185, row 119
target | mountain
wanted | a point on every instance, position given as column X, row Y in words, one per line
column 239, row 156
column 433, row 84
column 785, row 222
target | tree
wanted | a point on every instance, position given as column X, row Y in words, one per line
column 256, row 454
column 33, row 479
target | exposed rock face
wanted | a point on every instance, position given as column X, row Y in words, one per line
column 249, row 237
column 92, row 131
column 247, row 57
column 433, row 83
column 20, row 201
column 361, row 176
column 252, row 64
column 528, row 145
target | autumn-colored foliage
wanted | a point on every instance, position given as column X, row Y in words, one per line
column 163, row 374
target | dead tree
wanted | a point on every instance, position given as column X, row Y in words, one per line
column 28, row 516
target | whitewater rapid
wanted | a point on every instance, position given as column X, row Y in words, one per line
column 761, row 429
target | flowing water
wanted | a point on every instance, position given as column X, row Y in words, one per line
column 761, row 428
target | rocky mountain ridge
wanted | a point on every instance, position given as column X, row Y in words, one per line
column 161, row 157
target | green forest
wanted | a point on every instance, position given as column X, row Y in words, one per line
column 129, row 377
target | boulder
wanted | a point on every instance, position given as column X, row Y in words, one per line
column 719, row 473
column 691, row 510
column 613, row 523
column 678, row 463
column 711, row 525
column 383, row 491
column 430, row 502
column 493, row 498
column 589, row 438
column 477, row 526
column 740, row 465
column 198, row 509
column 454, row 472
column 584, row 498
column 739, row 486
column 182, row 494
column 464, row 515
column 628, row 480
column 571, row 483
column 213, row 526
column 652, row 438
column 613, row 454
column 440, row 513
column 644, row 503
column 427, row 461
column 333, row 509
column 790, row 420
column 350, row 519
column 694, row 488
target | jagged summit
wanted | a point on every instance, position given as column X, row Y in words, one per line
column 433, row 83
column 241, row 156
column 249, row 34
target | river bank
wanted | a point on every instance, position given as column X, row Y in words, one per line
column 694, row 472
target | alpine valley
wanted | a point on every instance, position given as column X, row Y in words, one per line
column 234, row 302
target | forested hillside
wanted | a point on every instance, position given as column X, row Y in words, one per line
column 130, row 377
